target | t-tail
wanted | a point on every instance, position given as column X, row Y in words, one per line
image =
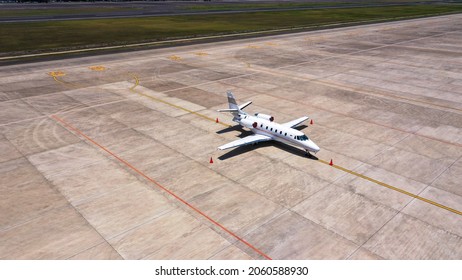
column 231, row 101
column 234, row 109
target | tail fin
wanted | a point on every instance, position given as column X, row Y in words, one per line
column 231, row 101
column 233, row 107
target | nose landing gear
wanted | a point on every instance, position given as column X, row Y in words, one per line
column 309, row 155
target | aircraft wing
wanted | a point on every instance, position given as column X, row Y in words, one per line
column 245, row 141
column 295, row 122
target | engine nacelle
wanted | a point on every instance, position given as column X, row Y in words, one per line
column 264, row 116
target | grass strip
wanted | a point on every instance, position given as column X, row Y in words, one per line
column 65, row 35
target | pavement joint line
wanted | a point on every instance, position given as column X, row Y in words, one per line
column 430, row 185
column 63, row 112
column 258, row 227
column 320, row 160
column 341, row 168
column 67, row 205
column 352, row 117
column 319, row 79
column 137, row 82
column 400, row 211
column 225, row 248
column 372, row 235
column 92, row 247
column 145, row 222
column 76, row 130
column 429, row 49
column 326, row 82
column 393, row 188
column 374, row 48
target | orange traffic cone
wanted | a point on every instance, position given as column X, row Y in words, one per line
column 211, row 160
column 331, row 163
column 311, row 122
column 217, row 121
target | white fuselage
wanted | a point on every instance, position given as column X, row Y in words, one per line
column 278, row 132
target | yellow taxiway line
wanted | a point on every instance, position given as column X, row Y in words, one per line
column 392, row 188
column 137, row 82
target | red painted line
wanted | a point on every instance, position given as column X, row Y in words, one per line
column 66, row 124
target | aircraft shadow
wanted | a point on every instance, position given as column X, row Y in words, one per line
column 287, row 148
column 300, row 127
column 231, row 128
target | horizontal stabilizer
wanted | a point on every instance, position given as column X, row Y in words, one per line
column 228, row 110
column 244, row 105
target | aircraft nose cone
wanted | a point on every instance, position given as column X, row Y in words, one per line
column 313, row 147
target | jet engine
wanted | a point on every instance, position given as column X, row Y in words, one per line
column 264, row 116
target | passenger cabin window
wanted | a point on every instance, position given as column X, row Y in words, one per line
column 285, row 134
column 267, row 127
column 276, row 131
column 261, row 125
column 280, row 132
column 271, row 129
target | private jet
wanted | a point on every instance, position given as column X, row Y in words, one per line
column 265, row 129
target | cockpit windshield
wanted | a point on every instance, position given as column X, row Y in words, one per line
column 303, row 138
